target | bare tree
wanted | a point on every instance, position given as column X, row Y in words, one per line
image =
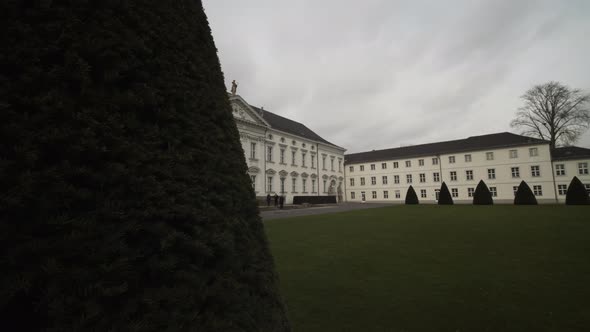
column 553, row 112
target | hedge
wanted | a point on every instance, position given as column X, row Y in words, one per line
column 482, row 195
column 411, row 197
column 576, row 193
column 524, row 195
column 444, row 197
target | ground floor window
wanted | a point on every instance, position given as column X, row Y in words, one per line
column 304, row 185
column 562, row 189
column 253, row 179
column 325, row 185
column 352, row 195
column 470, row 192
column 374, row 194
column 423, row 193
column 514, row 190
column 313, row 186
column 437, row 194
column 455, row 192
column 538, row 190
column 398, row 194
column 385, row 194
column 269, row 184
column 293, row 185
column 282, row 185
column 494, row 191
column 363, row 197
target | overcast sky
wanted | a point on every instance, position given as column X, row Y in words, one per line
column 376, row 74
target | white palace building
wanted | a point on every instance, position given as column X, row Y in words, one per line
column 285, row 157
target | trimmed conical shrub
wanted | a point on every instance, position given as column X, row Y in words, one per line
column 411, row 197
column 524, row 195
column 444, row 197
column 576, row 193
column 482, row 195
column 126, row 205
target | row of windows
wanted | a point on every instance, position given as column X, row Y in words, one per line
column 537, row 190
column 582, row 169
column 282, row 158
column 515, row 172
column 533, row 152
column 269, row 184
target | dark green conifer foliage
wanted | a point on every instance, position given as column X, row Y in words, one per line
column 524, row 195
column 411, row 197
column 444, row 197
column 125, row 203
column 482, row 195
column 576, row 193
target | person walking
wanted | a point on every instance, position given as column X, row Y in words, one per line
column 276, row 200
column 268, row 200
column 281, row 201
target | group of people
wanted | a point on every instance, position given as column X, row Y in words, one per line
column 279, row 200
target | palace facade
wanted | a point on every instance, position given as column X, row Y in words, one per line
column 502, row 160
column 285, row 157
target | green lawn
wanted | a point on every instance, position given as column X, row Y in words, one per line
column 436, row 268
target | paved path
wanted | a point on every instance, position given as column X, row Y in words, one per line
column 278, row 214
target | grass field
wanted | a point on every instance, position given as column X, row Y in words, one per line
column 436, row 268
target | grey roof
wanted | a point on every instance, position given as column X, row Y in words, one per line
column 570, row 153
column 289, row 126
column 473, row 143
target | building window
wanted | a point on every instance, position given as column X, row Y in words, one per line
column 538, row 190
column 324, row 163
column 408, row 163
column 362, row 167
column 494, row 191
column 409, row 178
column 373, row 180
column 470, row 192
column 453, row 176
column 422, row 177
column 491, row 173
column 332, row 164
column 312, row 160
column 384, row 179
column 362, row 181
column 396, row 179
column 282, row 156
column 304, row 185
column 395, row 164
column 451, row 159
column 436, row 177
column 252, row 150
column 269, row 184
column 282, row 185
column 374, row 194
column 325, row 185
column 533, row 152
column 385, row 194
column 253, row 179
column 560, row 169
column 372, row 167
column 352, row 182
column 513, row 154
column 489, row 156
column 469, row 174
column 514, row 190
column 535, row 171
column 383, row 165
column 436, row 194
column 293, row 156
column 352, row 195
column 398, row 194
column 303, row 159
column 455, row 192
column 435, row 161
column 562, row 189
column 582, row 168
column 294, row 185
column 467, row 158
column 339, row 165
column 420, row 162
column 351, row 168
column 515, row 171
column 587, row 186
column 313, row 185
column 423, row 193
column 269, row 154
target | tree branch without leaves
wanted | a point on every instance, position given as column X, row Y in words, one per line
column 553, row 112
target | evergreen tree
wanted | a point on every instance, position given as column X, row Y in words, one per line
column 482, row 195
column 576, row 193
column 126, row 205
column 444, row 196
column 524, row 195
column 411, row 197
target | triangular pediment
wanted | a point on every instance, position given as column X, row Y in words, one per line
column 243, row 112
